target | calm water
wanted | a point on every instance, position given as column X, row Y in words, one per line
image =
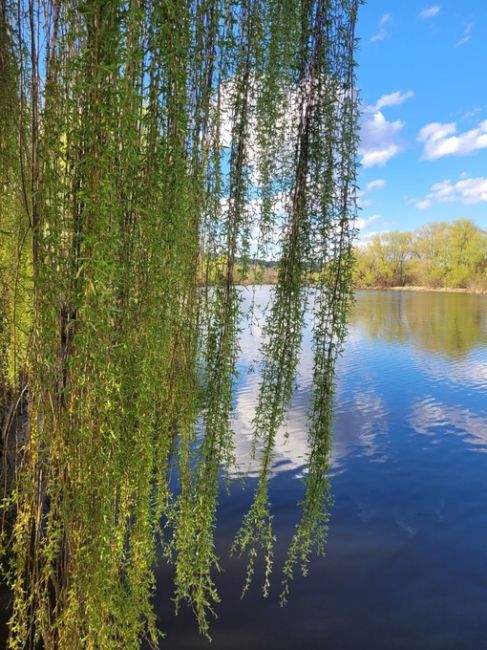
column 406, row 564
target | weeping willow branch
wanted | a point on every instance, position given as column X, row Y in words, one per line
column 148, row 152
column 318, row 237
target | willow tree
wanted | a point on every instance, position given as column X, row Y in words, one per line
column 150, row 151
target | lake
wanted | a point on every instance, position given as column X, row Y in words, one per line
column 406, row 562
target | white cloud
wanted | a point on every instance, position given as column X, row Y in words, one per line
column 382, row 32
column 467, row 32
column 377, row 184
column 392, row 99
column 469, row 114
column 377, row 130
column 468, row 191
column 429, row 12
column 377, row 133
column 442, row 140
column 363, row 203
column 423, row 204
column 379, row 157
column 377, row 144
column 362, row 223
column 364, row 239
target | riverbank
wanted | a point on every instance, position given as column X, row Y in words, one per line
column 425, row 289
column 270, row 278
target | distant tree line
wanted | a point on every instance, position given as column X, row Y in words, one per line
column 438, row 255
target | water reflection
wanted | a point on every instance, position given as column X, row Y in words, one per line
column 431, row 417
column 406, row 563
column 449, row 323
column 437, row 333
column 358, row 416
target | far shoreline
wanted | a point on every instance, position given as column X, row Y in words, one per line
column 477, row 292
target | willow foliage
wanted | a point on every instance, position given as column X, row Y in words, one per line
column 149, row 151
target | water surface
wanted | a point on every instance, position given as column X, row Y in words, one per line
column 406, row 563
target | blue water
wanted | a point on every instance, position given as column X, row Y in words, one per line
column 406, row 562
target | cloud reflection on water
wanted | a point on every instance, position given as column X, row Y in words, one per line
column 419, row 335
column 431, row 417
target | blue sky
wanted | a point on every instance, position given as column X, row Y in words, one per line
column 424, row 125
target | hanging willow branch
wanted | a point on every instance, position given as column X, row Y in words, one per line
column 149, row 150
